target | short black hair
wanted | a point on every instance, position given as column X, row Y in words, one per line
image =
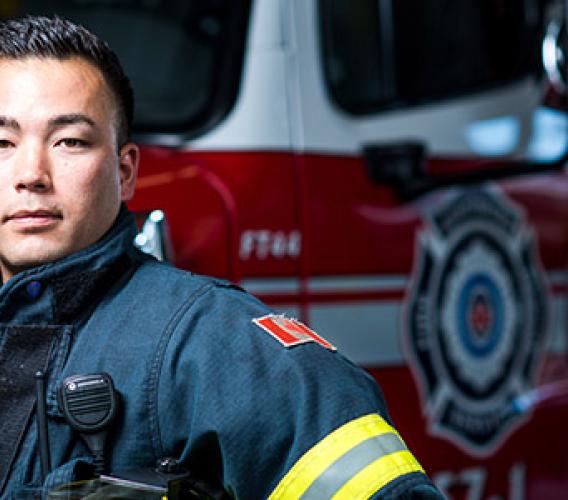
column 57, row 38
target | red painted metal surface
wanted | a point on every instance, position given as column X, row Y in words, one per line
column 348, row 225
column 533, row 448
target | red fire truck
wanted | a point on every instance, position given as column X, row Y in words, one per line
column 385, row 171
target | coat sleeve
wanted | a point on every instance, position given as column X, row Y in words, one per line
column 268, row 420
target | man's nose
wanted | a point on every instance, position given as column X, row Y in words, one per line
column 33, row 172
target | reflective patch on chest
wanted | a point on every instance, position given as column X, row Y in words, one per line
column 290, row 332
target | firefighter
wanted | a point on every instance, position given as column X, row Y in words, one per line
column 252, row 401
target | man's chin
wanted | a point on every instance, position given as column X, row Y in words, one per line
column 15, row 262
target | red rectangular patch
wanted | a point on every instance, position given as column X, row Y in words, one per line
column 290, row 332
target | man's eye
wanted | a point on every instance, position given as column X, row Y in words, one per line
column 72, row 143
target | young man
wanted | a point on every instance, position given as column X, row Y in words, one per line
column 198, row 364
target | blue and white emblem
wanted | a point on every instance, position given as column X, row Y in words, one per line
column 476, row 316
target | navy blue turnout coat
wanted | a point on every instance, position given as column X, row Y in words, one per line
column 203, row 375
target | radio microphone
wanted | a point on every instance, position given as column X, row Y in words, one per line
column 41, row 421
column 89, row 404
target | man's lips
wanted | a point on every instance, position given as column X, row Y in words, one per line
column 33, row 217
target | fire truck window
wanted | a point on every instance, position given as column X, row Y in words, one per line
column 179, row 54
column 387, row 53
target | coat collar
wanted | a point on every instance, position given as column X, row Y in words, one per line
column 61, row 291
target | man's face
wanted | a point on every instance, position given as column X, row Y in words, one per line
column 62, row 177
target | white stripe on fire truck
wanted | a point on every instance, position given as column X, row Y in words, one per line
column 557, row 277
column 367, row 333
column 378, row 323
column 339, row 284
column 271, row 285
column 354, row 283
column 357, row 283
column 557, row 340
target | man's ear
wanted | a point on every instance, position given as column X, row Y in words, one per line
column 129, row 159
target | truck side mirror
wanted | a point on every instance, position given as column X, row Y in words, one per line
column 554, row 58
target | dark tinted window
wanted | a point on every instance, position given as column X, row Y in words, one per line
column 384, row 53
column 183, row 56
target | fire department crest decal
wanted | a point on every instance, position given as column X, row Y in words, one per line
column 476, row 314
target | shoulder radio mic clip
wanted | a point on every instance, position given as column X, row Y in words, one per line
column 89, row 404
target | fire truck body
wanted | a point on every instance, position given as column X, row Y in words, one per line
column 452, row 295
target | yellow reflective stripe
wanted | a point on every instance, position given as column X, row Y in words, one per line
column 316, row 460
column 378, row 474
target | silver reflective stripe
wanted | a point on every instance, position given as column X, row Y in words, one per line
column 352, row 462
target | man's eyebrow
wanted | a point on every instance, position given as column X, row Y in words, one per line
column 71, row 119
column 8, row 122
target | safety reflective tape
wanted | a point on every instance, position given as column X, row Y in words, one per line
column 378, row 474
column 353, row 461
column 356, row 459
